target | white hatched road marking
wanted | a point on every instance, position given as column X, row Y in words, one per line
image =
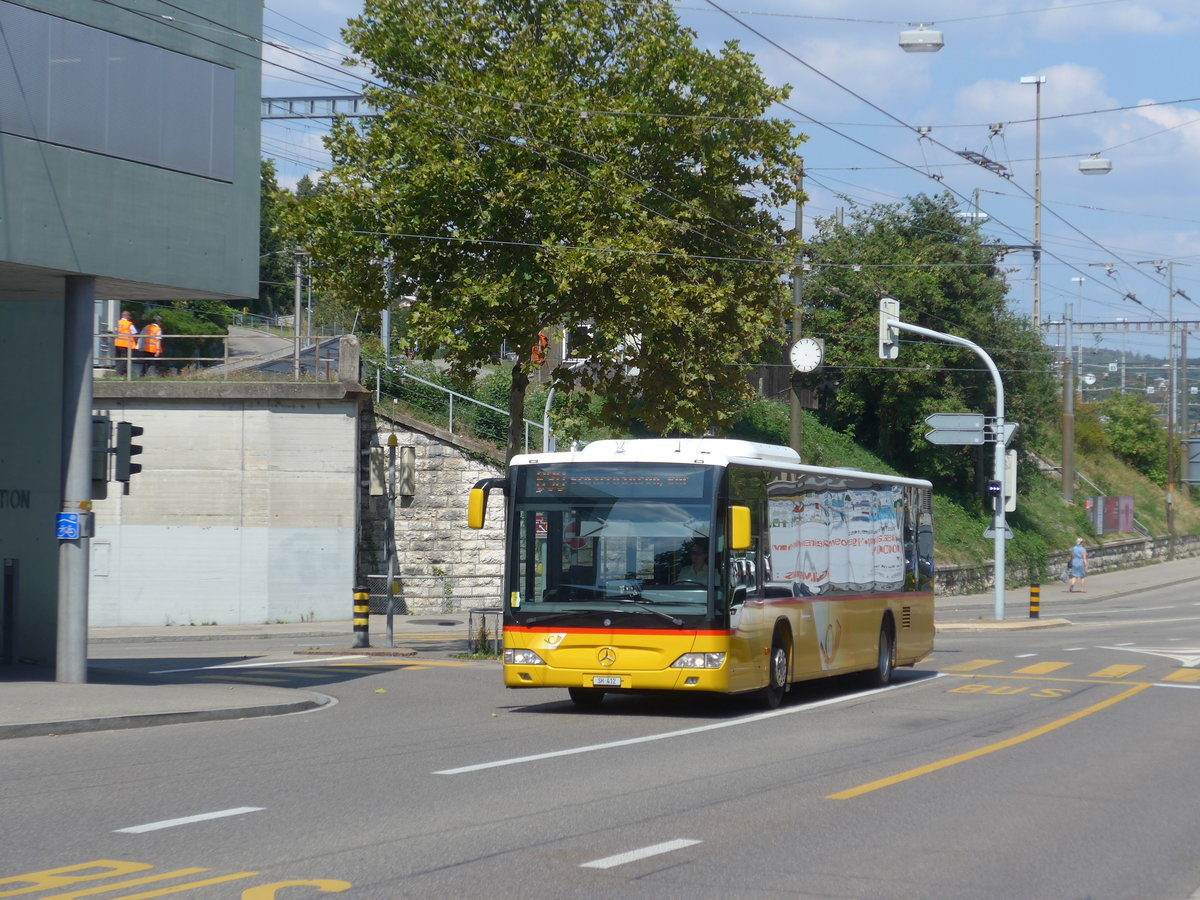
column 629, row 856
column 188, row 820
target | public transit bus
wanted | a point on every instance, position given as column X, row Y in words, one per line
column 707, row 565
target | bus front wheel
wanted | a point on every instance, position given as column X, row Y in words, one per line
column 586, row 698
column 777, row 670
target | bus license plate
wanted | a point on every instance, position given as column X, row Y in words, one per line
column 606, row 681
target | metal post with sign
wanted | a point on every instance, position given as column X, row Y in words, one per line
column 889, row 321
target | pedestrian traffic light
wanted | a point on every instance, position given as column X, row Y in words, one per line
column 126, row 450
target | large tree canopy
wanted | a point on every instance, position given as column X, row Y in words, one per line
column 948, row 280
column 545, row 164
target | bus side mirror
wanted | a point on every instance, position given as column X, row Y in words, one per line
column 476, row 507
column 739, row 528
column 477, row 501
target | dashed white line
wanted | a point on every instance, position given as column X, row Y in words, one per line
column 662, row 736
column 259, row 665
column 621, row 859
column 188, row 820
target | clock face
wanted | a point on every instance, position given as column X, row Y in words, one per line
column 806, row 354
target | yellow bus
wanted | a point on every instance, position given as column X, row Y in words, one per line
column 707, row 565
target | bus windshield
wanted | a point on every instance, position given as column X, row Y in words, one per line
column 597, row 539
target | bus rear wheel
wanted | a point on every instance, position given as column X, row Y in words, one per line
column 777, row 670
column 586, row 698
column 881, row 675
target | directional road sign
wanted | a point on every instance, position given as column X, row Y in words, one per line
column 955, row 428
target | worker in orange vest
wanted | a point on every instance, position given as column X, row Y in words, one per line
column 125, row 343
column 152, row 344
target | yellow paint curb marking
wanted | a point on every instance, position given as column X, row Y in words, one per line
column 984, row 751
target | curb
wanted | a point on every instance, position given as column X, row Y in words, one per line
column 148, row 720
column 358, row 651
column 1006, row 625
column 248, row 635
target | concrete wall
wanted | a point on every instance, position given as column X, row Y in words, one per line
column 245, row 511
column 443, row 566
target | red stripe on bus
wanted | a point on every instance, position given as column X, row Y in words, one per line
column 545, row 629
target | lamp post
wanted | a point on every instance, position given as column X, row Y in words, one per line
column 1037, row 81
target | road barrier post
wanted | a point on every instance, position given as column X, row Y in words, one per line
column 1035, row 600
column 362, row 618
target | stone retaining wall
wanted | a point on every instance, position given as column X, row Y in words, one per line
column 1119, row 554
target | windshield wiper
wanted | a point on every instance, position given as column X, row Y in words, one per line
column 551, row 617
column 640, row 602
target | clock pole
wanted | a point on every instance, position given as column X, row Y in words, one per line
column 797, row 311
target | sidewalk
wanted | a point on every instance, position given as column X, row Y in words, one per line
column 32, row 703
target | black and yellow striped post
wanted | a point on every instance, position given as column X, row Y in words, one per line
column 362, row 618
column 1035, row 600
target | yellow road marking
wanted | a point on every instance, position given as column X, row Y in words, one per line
column 984, row 751
column 396, row 662
column 1185, row 676
column 1116, row 671
column 1042, row 668
column 973, row 666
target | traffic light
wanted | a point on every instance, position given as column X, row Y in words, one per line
column 889, row 335
column 101, row 437
column 126, row 450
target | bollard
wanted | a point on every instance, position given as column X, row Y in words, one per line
column 362, row 618
column 1035, row 600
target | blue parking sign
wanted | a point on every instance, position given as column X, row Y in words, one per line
column 66, row 526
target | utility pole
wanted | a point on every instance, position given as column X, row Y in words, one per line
column 1037, row 81
column 797, row 427
column 1068, row 419
column 299, row 276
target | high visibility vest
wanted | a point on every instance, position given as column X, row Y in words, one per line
column 126, row 332
column 152, row 342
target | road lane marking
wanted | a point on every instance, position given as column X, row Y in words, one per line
column 187, row 820
column 1116, row 671
column 256, row 665
column 621, row 859
column 1187, row 676
column 1185, row 656
column 662, row 736
column 973, row 666
column 1042, row 668
column 984, row 751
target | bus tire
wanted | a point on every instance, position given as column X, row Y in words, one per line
column 586, row 698
column 885, row 665
column 777, row 671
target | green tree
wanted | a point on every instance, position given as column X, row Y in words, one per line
column 541, row 165
column 1135, row 434
column 946, row 279
column 276, row 269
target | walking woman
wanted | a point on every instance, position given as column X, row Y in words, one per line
column 1079, row 565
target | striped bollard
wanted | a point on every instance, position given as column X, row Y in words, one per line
column 362, row 618
column 1035, row 600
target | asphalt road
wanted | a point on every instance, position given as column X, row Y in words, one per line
column 1034, row 764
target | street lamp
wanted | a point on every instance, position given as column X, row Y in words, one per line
column 1037, row 81
column 919, row 40
column 1094, row 165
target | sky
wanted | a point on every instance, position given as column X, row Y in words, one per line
column 1121, row 83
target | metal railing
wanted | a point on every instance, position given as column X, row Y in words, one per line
column 316, row 361
column 431, row 594
column 445, row 405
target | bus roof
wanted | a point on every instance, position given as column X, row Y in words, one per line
column 701, row 451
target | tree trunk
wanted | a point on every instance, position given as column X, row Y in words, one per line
column 516, row 412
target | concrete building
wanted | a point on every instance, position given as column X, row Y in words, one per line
column 129, row 170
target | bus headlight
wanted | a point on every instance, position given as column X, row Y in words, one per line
column 522, row 658
column 699, row 661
